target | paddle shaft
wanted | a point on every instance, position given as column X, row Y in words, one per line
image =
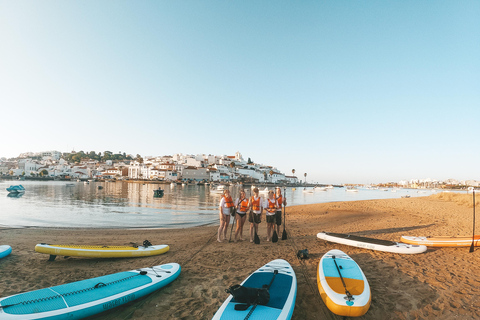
column 472, row 247
column 233, row 223
column 349, row 295
column 284, row 234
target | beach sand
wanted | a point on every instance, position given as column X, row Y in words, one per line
column 443, row 283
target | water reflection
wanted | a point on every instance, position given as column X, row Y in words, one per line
column 134, row 205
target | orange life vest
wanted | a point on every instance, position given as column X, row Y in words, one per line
column 280, row 202
column 272, row 206
column 228, row 201
column 256, row 204
column 243, row 205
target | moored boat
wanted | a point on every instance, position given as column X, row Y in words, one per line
column 16, row 189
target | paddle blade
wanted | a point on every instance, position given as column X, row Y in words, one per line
column 275, row 236
column 256, row 239
column 472, row 248
column 284, row 234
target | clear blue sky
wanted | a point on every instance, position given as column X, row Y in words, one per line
column 346, row 91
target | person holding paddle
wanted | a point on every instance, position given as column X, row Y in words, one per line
column 271, row 207
column 281, row 201
column 256, row 208
column 242, row 204
column 225, row 207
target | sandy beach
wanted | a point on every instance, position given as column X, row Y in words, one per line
column 442, row 283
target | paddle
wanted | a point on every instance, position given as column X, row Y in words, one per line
column 284, row 234
column 231, row 229
column 234, row 217
column 472, row 247
column 256, row 239
column 275, row 236
column 349, row 295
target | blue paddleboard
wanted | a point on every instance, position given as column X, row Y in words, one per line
column 5, row 251
column 283, row 291
column 84, row 298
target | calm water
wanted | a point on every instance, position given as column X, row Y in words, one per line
column 132, row 205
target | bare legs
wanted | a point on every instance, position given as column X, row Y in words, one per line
column 239, row 230
column 224, row 222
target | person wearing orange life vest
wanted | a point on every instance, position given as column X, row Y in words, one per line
column 224, row 210
column 256, row 205
column 281, row 201
column 242, row 204
column 271, row 207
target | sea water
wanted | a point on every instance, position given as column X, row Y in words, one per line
column 133, row 205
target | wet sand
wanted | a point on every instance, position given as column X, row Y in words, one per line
column 442, row 283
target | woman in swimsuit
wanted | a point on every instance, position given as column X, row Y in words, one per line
column 242, row 204
column 224, row 210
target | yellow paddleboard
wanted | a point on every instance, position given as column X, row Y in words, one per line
column 100, row 251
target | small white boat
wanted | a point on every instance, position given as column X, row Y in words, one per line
column 305, row 190
column 320, row 189
column 351, row 189
column 217, row 189
column 264, row 190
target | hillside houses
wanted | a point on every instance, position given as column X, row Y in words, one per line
column 179, row 167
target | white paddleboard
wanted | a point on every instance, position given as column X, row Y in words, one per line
column 371, row 243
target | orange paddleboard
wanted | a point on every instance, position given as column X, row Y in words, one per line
column 442, row 241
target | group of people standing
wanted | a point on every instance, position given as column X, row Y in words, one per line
column 253, row 207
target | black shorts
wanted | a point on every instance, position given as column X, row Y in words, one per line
column 271, row 219
column 278, row 217
column 241, row 214
column 254, row 217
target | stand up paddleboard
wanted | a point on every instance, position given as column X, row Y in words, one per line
column 5, row 251
column 342, row 285
column 443, row 241
column 371, row 243
column 283, row 291
column 84, row 298
column 100, row 251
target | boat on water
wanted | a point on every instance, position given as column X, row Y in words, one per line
column 320, row 188
column 217, row 189
column 305, row 190
column 158, row 192
column 351, row 189
column 16, row 189
column 264, row 190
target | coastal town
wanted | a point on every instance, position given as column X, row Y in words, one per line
column 177, row 168
column 181, row 168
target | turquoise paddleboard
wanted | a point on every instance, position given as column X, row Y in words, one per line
column 84, row 298
column 283, row 291
column 5, row 250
